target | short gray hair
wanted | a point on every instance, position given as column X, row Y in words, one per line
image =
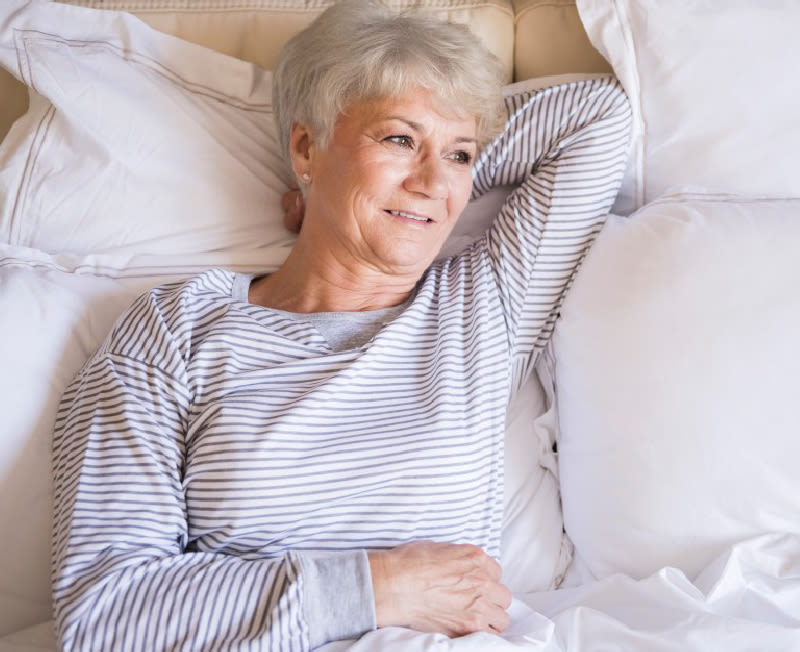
column 361, row 50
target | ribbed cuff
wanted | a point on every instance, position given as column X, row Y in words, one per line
column 338, row 602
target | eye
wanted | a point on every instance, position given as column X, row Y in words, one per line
column 403, row 141
column 461, row 157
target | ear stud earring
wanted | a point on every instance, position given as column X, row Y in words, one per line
column 306, row 177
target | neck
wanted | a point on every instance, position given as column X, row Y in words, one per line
column 315, row 279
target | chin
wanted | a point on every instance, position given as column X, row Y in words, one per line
column 406, row 261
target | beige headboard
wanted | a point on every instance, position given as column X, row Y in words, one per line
column 533, row 38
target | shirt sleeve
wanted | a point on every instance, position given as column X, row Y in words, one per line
column 564, row 149
column 125, row 574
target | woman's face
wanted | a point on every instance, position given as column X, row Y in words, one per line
column 392, row 182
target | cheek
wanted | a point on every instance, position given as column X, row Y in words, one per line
column 460, row 193
column 375, row 176
column 344, row 183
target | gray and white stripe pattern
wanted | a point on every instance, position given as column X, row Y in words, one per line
column 213, row 458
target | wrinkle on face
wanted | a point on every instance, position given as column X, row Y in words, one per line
column 385, row 156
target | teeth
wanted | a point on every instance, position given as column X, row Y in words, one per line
column 409, row 216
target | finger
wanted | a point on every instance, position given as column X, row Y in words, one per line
column 489, row 565
column 481, row 564
column 288, row 200
column 496, row 618
column 473, row 553
column 498, row 595
column 494, row 569
column 489, row 619
column 293, row 210
column 293, row 222
column 499, row 621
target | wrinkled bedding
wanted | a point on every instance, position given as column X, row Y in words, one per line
column 747, row 599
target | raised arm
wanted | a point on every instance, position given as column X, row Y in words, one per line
column 126, row 574
column 565, row 149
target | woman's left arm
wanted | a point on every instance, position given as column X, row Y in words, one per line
column 565, row 150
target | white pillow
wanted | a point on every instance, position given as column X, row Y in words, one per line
column 51, row 321
column 714, row 90
column 535, row 551
column 135, row 141
column 677, row 365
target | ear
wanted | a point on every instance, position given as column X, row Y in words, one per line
column 301, row 149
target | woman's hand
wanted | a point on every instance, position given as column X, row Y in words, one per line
column 439, row 587
column 293, row 209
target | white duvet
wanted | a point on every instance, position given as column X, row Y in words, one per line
column 746, row 600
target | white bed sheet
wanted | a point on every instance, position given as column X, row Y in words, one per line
column 747, row 599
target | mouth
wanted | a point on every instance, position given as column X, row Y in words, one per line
column 405, row 215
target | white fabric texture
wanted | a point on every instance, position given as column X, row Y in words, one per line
column 714, row 91
column 176, row 142
column 677, row 361
column 50, row 321
column 744, row 600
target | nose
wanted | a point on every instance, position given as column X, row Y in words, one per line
column 428, row 177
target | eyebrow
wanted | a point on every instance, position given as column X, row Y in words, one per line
column 416, row 126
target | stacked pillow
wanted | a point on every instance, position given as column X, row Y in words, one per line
column 714, row 90
column 677, row 355
column 677, row 361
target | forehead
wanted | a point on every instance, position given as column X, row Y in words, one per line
column 419, row 107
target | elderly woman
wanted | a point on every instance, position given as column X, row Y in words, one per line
column 280, row 461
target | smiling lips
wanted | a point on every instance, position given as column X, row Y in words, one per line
column 409, row 216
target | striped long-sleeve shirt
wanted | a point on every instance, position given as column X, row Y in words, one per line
column 220, row 470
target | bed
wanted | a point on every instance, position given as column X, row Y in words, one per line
column 652, row 496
